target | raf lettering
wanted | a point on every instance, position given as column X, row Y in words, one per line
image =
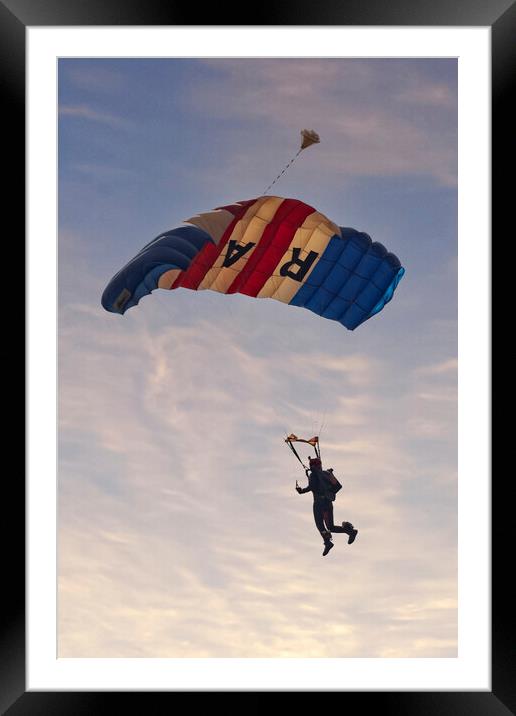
column 235, row 252
column 303, row 265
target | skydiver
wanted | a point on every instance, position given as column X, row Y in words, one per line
column 324, row 494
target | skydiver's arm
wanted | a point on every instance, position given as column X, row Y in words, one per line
column 302, row 490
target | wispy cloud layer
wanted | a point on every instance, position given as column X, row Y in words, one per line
column 180, row 531
column 93, row 115
column 375, row 118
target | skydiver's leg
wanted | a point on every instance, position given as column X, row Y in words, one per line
column 328, row 519
column 319, row 521
column 347, row 527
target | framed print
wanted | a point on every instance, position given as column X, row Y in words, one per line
column 167, row 434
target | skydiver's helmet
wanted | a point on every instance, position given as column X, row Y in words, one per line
column 315, row 463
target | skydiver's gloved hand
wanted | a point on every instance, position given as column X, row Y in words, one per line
column 298, row 489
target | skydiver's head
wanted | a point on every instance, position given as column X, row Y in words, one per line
column 315, row 463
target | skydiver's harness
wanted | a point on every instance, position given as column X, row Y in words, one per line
column 331, row 481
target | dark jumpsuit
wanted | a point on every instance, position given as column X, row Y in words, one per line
column 323, row 504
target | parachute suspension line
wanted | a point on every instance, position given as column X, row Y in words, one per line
column 295, row 453
column 308, row 137
column 314, row 442
column 320, row 432
column 282, row 172
column 316, row 446
column 323, row 424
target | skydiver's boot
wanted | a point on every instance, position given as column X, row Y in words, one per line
column 328, row 544
column 350, row 530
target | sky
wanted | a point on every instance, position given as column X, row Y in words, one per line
column 180, row 533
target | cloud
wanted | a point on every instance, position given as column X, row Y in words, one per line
column 359, row 370
column 373, row 118
column 83, row 111
column 104, row 172
column 433, row 95
column 432, row 401
column 443, row 395
column 447, row 366
column 93, row 76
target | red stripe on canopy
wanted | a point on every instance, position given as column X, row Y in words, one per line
column 202, row 263
column 274, row 242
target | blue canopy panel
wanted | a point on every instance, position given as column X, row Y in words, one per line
column 175, row 249
column 352, row 281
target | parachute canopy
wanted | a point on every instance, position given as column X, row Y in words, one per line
column 270, row 247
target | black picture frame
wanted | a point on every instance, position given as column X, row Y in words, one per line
column 15, row 17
